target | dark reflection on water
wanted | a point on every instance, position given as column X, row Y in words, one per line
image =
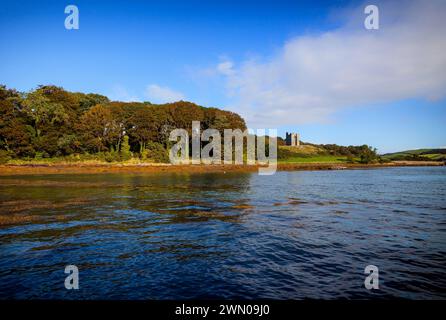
column 288, row 236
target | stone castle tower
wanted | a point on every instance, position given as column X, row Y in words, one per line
column 292, row 139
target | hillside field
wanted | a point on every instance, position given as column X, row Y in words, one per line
column 418, row 154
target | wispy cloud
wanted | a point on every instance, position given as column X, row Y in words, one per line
column 315, row 76
column 153, row 92
column 158, row 94
column 120, row 93
column 226, row 68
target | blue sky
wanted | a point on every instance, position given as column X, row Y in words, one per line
column 209, row 52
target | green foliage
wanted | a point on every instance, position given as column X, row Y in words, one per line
column 417, row 155
column 350, row 159
column 367, row 154
column 87, row 101
column 349, row 151
column 363, row 154
column 52, row 122
column 41, row 155
column 126, row 154
column 156, row 152
column 283, row 153
column 328, row 153
column 314, row 159
column 5, row 156
column 111, row 156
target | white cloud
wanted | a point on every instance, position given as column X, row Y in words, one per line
column 315, row 76
column 157, row 94
column 226, row 68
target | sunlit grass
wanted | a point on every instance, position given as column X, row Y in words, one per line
column 314, row 159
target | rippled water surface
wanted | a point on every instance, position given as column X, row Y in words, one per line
column 303, row 234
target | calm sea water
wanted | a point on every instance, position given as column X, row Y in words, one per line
column 304, row 234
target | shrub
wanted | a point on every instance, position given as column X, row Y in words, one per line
column 156, row 152
column 367, row 154
column 350, row 159
column 126, row 154
column 5, row 156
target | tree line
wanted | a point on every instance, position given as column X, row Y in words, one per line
column 52, row 122
column 365, row 153
column 362, row 153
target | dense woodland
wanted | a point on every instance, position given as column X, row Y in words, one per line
column 52, row 122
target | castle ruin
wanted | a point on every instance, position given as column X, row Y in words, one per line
column 292, row 139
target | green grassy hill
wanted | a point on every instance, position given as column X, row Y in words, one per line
column 307, row 153
column 417, row 155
